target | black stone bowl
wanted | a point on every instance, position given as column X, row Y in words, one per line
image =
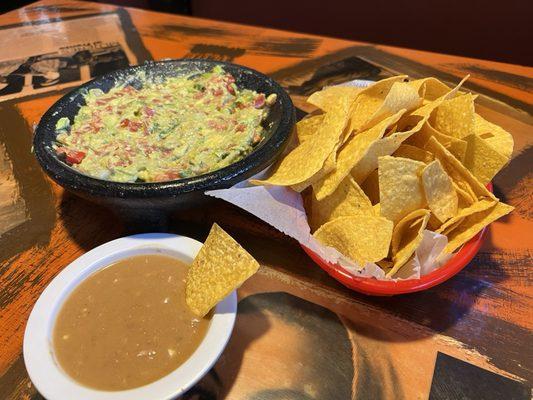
column 148, row 205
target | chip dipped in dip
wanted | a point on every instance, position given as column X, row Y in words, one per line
column 137, row 320
column 183, row 127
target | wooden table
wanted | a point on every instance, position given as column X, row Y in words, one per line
column 299, row 333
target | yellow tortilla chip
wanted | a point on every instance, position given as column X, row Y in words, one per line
column 468, row 189
column 306, row 160
column 501, row 140
column 371, row 187
column 414, row 153
column 406, row 238
column 324, row 98
column 482, row 159
column 462, row 176
column 391, row 130
column 478, row 206
column 347, row 200
column 404, row 223
column 450, row 228
column 400, row 187
column 433, row 223
column 219, row 268
column 474, row 223
column 308, row 126
column 350, row 154
column 421, row 137
column 329, row 165
column 408, row 122
column 383, row 147
column 465, row 197
column 401, row 96
column 455, row 117
column 440, row 193
column 455, row 146
column 430, row 88
column 362, row 238
column 427, row 109
column 377, row 209
column 369, row 101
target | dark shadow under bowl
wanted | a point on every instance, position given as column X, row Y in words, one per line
column 149, row 204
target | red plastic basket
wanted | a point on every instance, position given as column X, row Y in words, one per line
column 374, row 287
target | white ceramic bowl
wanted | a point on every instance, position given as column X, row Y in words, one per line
column 47, row 375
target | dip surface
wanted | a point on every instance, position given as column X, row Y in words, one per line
column 185, row 126
column 127, row 325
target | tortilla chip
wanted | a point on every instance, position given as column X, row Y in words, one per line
column 482, row 159
column 347, row 200
column 219, row 268
column 465, row 197
column 455, row 117
column 468, row 189
column 406, row 238
column 455, row 146
column 401, row 96
column 501, row 140
column 451, row 227
column 308, row 126
column 440, row 193
column 478, row 206
column 421, row 136
column 427, row 109
column 433, row 223
column 362, row 238
column 404, row 223
column 457, row 171
column 371, row 187
column 307, row 159
column 369, row 101
column 383, row 147
column 391, row 130
column 324, row 98
column 329, row 166
column 430, row 88
column 350, row 154
column 400, row 187
column 473, row 224
column 414, row 153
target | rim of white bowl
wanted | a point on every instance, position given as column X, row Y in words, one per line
column 47, row 375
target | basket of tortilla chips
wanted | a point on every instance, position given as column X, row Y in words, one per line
column 380, row 167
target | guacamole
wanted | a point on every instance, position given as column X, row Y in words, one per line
column 182, row 127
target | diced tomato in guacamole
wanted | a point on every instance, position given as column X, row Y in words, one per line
column 179, row 128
